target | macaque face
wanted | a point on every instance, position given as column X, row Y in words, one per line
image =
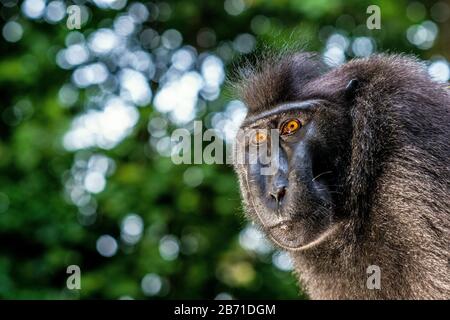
column 292, row 176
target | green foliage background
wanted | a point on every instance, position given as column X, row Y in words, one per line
column 40, row 229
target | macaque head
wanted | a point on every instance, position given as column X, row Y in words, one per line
column 294, row 146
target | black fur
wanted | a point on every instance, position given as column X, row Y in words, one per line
column 393, row 208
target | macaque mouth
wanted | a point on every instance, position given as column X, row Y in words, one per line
column 282, row 224
column 292, row 236
column 285, row 235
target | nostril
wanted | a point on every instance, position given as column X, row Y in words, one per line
column 278, row 194
column 281, row 192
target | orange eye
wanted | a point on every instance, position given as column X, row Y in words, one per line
column 259, row 137
column 290, row 126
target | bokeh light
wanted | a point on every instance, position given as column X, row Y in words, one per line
column 55, row 11
column 12, row 31
column 151, row 284
column 282, row 261
column 132, row 228
column 439, row 70
column 33, row 9
column 105, row 128
column 169, row 247
column 107, row 246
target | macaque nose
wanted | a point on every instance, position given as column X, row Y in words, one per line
column 278, row 193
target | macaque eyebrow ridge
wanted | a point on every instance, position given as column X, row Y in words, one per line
column 285, row 107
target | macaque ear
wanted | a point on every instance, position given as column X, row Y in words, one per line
column 350, row 89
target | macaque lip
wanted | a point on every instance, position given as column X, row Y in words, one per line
column 287, row 234
column 293, row 234
column 283, row 224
